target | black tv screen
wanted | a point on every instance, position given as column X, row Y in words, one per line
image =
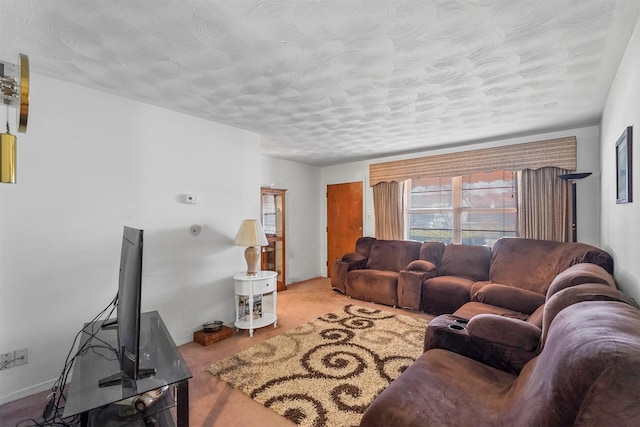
column 128, row 309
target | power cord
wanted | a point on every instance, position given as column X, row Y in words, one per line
column 53, row 410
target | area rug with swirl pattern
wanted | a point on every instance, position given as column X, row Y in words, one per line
column 326, row 372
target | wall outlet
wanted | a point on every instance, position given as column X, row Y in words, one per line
column 21, row 357
column 6, row 360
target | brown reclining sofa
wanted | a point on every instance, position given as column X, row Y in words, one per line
column 534, row 333
column 435, row 278
column 587, row 373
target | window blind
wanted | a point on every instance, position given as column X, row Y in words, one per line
column 560, row 153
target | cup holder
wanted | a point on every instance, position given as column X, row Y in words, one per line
column 457, row 327
column 461, row 321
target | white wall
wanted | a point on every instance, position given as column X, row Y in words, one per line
column 89, row 164
column 620, row 226
column 588, row 189
column 302, row 215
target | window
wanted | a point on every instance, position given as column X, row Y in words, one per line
column 471, row 209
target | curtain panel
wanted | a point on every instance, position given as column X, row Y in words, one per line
column 559, row 153
column 388, row 205
column 544, row 205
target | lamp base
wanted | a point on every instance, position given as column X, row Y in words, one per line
column 252, row 256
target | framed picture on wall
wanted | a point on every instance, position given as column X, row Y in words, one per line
column 623, row 166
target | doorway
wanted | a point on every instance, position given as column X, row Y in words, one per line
column 344, row 219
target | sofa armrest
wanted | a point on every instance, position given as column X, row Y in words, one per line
column 505, row 331
column 506, row 353
column 421, row 266
column 350, row 261
column 339, row 275
column 578, row 274
column 410, row 281
column 410, row 288
column 355, row 259
column 509, row 297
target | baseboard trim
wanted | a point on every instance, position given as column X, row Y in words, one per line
column 28, row 391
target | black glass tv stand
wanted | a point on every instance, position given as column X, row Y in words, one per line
column 116, row 379
column 114, row 405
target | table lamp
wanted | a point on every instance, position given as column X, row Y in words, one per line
column 251, row 235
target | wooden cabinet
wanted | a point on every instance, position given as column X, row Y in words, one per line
column 272, row 204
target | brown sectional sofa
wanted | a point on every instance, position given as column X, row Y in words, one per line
column 511, row 279
column 530, row 333
column 587, row 374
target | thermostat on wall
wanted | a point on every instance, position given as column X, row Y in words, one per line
column 191, row 199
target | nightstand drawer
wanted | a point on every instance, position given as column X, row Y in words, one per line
column 256, row 285
column 262, row 286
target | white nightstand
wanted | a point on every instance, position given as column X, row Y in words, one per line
column 263, row 285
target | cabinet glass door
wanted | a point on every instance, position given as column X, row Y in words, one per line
column 273, row 224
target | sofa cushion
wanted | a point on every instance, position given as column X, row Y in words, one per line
column 392, row 255
column 440, row 388
column 533, row 264
column 363, row 245
column 432, row 251
column 445, row 294
column 524, row 263
column 509, row 297
column 468, row 261
column 473, row 308
column 373, row 285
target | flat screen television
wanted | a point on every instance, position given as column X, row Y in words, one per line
column 128, row 310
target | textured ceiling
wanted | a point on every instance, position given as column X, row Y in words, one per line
column 326, row 82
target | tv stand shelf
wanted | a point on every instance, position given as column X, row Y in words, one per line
column 97, row 406
column 116, row 414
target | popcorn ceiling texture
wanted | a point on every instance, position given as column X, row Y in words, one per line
column 326, row 82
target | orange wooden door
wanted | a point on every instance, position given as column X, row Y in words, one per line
column 344, row 219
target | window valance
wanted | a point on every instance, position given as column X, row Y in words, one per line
column 560, row 153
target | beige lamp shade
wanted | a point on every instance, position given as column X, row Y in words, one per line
column 251, row 235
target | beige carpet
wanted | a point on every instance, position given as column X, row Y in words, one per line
column 326, row 372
